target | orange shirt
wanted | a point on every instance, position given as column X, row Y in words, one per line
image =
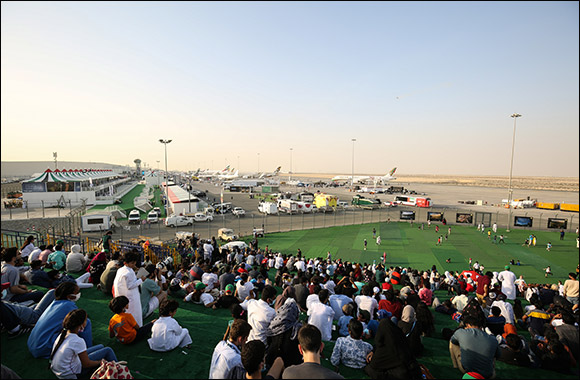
column 124, row 326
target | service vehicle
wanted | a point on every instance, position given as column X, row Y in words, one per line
column 178, row 221
column 268, row 208
column 97, row 222
column 287, row 206
column 414, row 201
column 258, row 232
column 152, row 217
column 326, row 202
column 568, row 207
column 238, row 211
column 201, row 217
column 157, row 211
column 233, row 244
column 548, row 205
column 304, row 207
column 134, row 217
column 368, row 203
column 227, row 234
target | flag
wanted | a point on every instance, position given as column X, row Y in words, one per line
column 384, row 257
column 222, row 196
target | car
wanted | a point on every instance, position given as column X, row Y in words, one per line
column 201, row 217
column 152, row 217
column 227, row 234
column 238, row 211
column 157, row 211
column 178, row 220
column 134, row 217
column 258, row 232
column 232, row 244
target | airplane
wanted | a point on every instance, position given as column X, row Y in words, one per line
column 213, row 173
column 363, row 179
column 386, row 178
column 229, row 175
column 263, row 175
column 273, row 174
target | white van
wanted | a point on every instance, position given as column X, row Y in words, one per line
column 134, row 217
column 152, row 217
column 178, row 220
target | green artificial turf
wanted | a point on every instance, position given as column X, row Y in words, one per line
column 127, row 202
column 405, row 246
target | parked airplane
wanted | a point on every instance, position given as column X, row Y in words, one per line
column 363, row 179
column 264, row 174
column 228, row 175
column 213, row 173
column 273, row 174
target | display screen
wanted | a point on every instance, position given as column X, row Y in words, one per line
column 464, row 218
column 408, row 215
column 435, row 216
column 557, row 223
column 523, row 221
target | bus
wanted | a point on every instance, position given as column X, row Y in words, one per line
column 413, row 201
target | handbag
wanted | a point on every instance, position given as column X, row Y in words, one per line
column 112, row 370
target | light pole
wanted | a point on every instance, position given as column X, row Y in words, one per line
column 510, row 191
column 352, row 176
column 258, row 162
column 290, row 176
column 165, row 142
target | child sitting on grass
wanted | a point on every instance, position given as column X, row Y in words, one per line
column 166, row 332
column 123, row 326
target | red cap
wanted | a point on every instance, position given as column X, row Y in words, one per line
column 242, row 270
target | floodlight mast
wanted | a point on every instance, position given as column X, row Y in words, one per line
column 510, row 191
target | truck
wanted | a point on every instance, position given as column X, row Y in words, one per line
column 568, row 207
column 287, row 206
column 178, row 221
column 268, row 208
column 326, row 202
column 97, row 222
column 368, row 203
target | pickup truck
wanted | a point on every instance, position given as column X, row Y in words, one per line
column 238, row 211
column 201, row 217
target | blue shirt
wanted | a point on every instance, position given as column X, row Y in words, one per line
column 49, row 326
column 343, row 325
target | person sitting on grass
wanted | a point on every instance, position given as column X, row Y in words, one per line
column 227, row 300
column 253, row 361
column 151, row 293
column 345, row 319
column 123, row 326
column 352, row 350
column 49, row 325
column 496, row 322
column 70, row 356
column 199, row 296
column 473, row 350
column 166, row 333
column 310, row 346
column 226, row 360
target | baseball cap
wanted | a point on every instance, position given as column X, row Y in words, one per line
column 376, row 289
column 200, row 286
column 59, row 242
column 229, row 288
column 507, row 267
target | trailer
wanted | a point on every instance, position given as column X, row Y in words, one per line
column 548, row 205
column 568, row 207
column 97, row 222
column 268, row 208
column 288, row 206
column 368, row 203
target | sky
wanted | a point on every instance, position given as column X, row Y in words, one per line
column 427, row 87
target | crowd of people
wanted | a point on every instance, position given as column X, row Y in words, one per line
column 285, row 307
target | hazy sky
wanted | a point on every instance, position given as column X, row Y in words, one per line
column 428, row 87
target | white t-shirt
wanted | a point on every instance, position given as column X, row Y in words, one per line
column 66, row 363
column 321, row 316
column 367, row 303
column 244, row 290
column 206, row 298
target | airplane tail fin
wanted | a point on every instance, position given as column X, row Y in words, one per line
column 392, row 171
column 277, row 170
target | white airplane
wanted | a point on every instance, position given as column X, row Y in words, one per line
column 386, row 178
column 228, row 175
column 363, row 179
column 213, row 173
column 273, row 174
column 263, row 175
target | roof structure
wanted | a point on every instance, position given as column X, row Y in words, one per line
column 72, row 175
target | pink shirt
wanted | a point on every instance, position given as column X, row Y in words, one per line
column 426, row 295
column 44, row 255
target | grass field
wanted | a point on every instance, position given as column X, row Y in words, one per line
column 127, row 202
column 404, row 245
